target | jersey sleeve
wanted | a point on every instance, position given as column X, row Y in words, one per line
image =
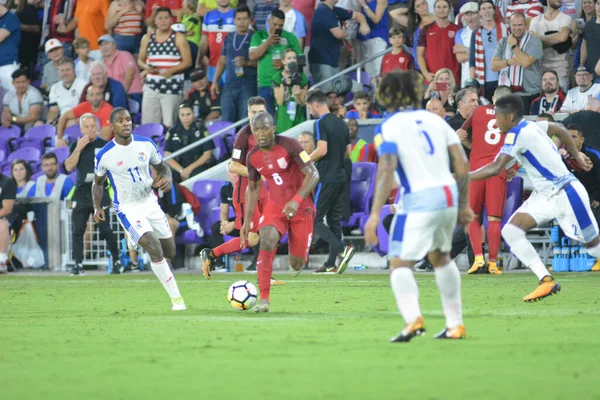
column 511, row 146
column 239, row 148
column 388, row 144
column 155, row 157
column 253, row 174
column 99, row 167
column 300, row 157
column 320, row 133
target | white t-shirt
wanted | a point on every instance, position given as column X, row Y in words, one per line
column 552, row 60
column 66, row 98
column 577, row 100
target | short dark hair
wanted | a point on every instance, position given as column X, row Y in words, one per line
column 241, row 9
column 49, row 156
column 396, row 31
column 460, row 96
column 511, row 104
column 550, row 71
column 549, row 117
column 163, row 9
column 186, row 104
column 400, row 89
column 113, row 113
column 19, row 73
column 575, row 127
column 278, row 14
column 256, row 101
column 316, row 96
column 361, row 95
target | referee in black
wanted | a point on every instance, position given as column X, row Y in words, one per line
column 332, row 148
column 81, row 158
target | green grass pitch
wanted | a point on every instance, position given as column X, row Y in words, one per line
column 115, row 337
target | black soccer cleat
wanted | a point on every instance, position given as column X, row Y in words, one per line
column 415, row 328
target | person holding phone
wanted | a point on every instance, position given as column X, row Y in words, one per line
column 442, row 87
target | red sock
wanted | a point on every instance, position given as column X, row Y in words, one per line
column 475, row 237
column 232, row 246
column 265, row 271
column 493, row 237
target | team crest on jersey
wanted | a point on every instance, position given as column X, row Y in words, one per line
column 120, row 163
column 451, row 34
column 282, row 163
column 142, row 156
column 283, row 41
column 270, row 166
column 138, row 224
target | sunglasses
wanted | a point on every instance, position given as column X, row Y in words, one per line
column 489, row 36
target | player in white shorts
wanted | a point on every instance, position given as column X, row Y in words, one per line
column 125, row 161
column 558, row 194
column 420, row 147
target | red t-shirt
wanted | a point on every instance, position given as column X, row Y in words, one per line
column 439, row 44
column 486, row 138
column 172, row 4
column 401, row 61
column 244, row 142
column 282, row 167
column 103, row 113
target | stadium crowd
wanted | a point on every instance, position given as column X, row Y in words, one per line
column 188, row 64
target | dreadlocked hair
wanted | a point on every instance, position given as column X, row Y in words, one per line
column 401, row 89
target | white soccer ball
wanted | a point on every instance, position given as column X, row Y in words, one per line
column 242, row 295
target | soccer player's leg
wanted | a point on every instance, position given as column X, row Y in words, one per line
column 300, row 237
column 410, row 239
column 495, row 198
column 447, row 275
column 537, row 210
column 476, row 201
column 269, row 238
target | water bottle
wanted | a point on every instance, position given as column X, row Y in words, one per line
column 197, row 109
column 566, row 253
column 557, row 258
column 291, row 109
column 239, row 267
column 555, row 234
column 109, row 266
column 359, row 267
column 239, row 70
column 500, row 262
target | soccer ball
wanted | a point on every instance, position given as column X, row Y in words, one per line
column 242, row 295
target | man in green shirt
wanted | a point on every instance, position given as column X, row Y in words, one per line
column 267, row 48
column 289, row 87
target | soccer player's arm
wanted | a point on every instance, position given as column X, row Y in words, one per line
column 165, row 180
column 321, row 149
column 386, row 167
column 238, row 154
column 465, row 132
column 559, row 131
column 98, row 183
column 460, row 166
column 505, row 156
column 253, row 190
column 307, row 167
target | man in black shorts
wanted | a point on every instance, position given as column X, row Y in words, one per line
column 332, row 149
column 8, row 192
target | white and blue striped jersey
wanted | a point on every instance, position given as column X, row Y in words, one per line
column 421, row 139
column 529, row 143
column 128, row 169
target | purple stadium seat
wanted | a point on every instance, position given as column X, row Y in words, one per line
column 5, row 147
column 62, row 153
column 2, row 155
column 362, row 188
column 215, row 126
column 220, row 151
column 365, row 79
column 229, row 139
column 38, row 136
column 383, row 235
column 36, row 175
column 29, row 154
column 72, row 133
column 10, row 135
column 208, row 192
column 6, row 169
column 134, row 106
column 151, row 131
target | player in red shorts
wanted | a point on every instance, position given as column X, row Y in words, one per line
column 486, row 142
column 291, row 177
column 244, row 142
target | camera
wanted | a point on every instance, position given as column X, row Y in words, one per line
column 295, row 76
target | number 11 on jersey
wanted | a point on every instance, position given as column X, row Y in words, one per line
column 139, row 176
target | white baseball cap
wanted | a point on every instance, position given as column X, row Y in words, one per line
column 52, row 44
column 469, row 7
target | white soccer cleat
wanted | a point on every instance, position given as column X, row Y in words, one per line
column 178, row 304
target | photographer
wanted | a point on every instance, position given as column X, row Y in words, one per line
column 290, row 87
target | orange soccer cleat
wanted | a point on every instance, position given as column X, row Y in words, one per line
column 493, row 268
column 415, row 328
column 459, row 332
column 548, row 286
column 477, row 266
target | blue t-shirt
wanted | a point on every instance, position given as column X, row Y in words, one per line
column 49, row 186
column 378, row 30
column 235, row 46
column 9, row 48
column 354, row 114
column 490, row 42
column 324, row 47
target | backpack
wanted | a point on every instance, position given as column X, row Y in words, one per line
column 190, row 198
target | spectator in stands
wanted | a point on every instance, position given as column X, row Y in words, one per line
column 206, row 107
column 55, row 53
column 241, row 72
column 113, row 91
column 58, row 22
column 164, row 55
column 483, row 47
column 216, row 25
column 179, row 27
column 360, row 150
column 7, row 202
column 267, row 48
column 442, row 87
column 90, row 16
column 52, row 183
column 362, row 107
column 435, row 106
column 121, row 66
column 187, row 131
column 204, row 6
column 31, row 32
column 307, row 9
column 436, row 43
column 307, row 141
column 473, row 83
column 152, row 7
column 588, row 13
column 545, row 117
column 125, row 20
column 467, row 100
column 517, row 59
column 552, row 97
column 589, row 119
column 295, row 22
column 23, row 103
column 577, row 97
column 261, row 9
column 333, row 99
column 327, row 36
column 9, row 46
column 397, row 59
column 462, row 40
column 193, row 26
column 376, row 41
column 82, row 159
column 553, row 28
column 94, row 105
column 529, row 8
column 21, row 175
column 289, row 88
column 418, row 18
column 64, row 95
column 226, row 224
column 83, row 63
column 590, row 51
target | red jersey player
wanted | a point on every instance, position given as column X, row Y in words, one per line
column 244, row 142
column 486, row 142
column 291, row 177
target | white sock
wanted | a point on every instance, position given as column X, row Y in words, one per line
column 3, row 257
column 520, row 247
column 406, row 291
column 448, row 281
column 165, row 276
column 593, row 251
